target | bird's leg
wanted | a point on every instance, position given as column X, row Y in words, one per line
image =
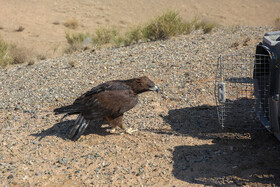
column 119, row 122
column 112, row 124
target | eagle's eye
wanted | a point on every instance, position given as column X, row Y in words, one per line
column 150, row 84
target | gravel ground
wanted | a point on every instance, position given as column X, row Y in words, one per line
column 179, row 142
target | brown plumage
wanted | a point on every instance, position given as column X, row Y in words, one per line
column 107, row 101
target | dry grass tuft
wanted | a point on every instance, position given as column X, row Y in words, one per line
column 167, row 25
column 19, row 29
column 104, row 36
column 31, row 62
column 11, row 54
column 277, row 24
column 76, row 41
column 56, row 23
column 234, row 28
column 205, row 25
column 71, row 24
column 162, row 27
column 72, row 64
column 234, row 45
column 19, row 55
column 208, row 26
column 246, row 41
column 41, row 56
column 5, row 56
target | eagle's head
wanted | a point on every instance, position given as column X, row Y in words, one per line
column 143, row 84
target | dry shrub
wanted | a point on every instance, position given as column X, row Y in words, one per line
column 167, row 25
column 234, row 45
column 41, row 56
column 31, row 62
column 20, row 54
column 12, row 54
column 76, row 41
column 19, row 29
column 234, row 28
column 205, row 25
column 5, row 56
column 208, row 26
column 104, row 36
column 246, row 41
column 72, row 64
column 277, row 24
column 56, row 23
column 133, row 36
column 71, row 24
column 162, row 27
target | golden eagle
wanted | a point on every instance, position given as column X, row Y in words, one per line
column 107, row 101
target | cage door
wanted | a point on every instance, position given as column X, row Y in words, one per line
column 234, row 91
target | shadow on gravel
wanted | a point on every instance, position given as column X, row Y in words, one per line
column 61, row 130
column 235, row 156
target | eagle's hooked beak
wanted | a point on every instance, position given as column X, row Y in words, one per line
column 155, row 88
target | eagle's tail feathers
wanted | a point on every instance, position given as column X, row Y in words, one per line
column 78, row 128
column 81, row 130
column 75, row 126
column 66, row 109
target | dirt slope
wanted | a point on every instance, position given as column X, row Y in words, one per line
column 43, row 36
column 179, row 142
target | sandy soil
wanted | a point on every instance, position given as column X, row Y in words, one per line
column 179, row 142
column 43, row 21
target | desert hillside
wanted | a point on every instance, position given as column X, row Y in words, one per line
column 179, row 141
column 43, row 21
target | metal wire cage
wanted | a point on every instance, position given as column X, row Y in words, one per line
column 238, row 81
column 247, row 87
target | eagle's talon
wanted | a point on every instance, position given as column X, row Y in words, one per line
column 130, row 130
column 111, row 130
